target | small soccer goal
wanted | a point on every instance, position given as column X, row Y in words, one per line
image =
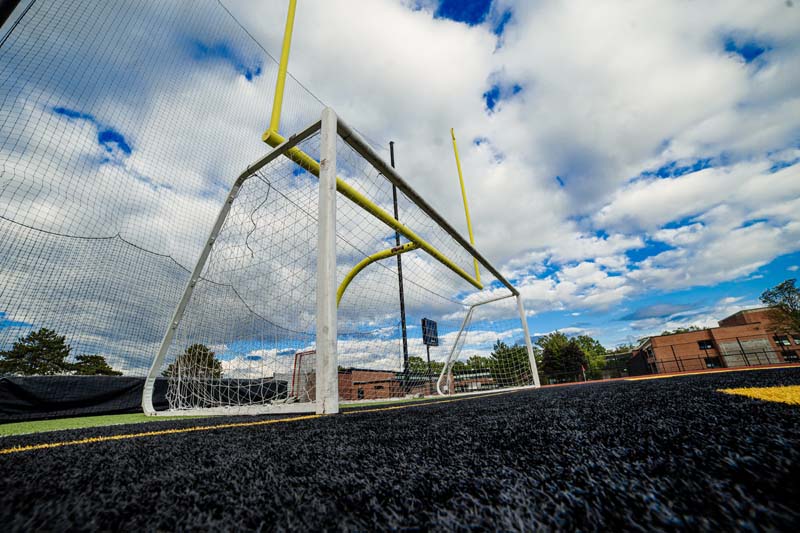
column 327, row 278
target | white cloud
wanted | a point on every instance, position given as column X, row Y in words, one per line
column 629, row 88
column 703, row 317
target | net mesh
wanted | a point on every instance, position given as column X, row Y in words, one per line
column 123, row 126
column 252, row 310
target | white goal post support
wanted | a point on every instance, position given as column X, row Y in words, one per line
column 445, row 375
column 528, row 345
column 327, row 368
column 177, row 316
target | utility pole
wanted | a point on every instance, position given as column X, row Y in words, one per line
column 400, row 278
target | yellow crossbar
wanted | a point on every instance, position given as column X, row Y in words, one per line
column 311, row 164
column 391, row 252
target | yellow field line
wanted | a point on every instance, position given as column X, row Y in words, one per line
column 721, row 371
column 109, row 438
column 788, row 394
column 92, row 440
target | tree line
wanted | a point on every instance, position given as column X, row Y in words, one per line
column 558, row 357
column 46, row 353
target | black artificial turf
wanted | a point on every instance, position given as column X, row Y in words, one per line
column 664, row 454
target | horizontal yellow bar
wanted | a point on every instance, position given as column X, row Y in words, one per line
column 309, row 163
column 407, row 247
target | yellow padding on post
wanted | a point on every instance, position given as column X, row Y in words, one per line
column 786, row 394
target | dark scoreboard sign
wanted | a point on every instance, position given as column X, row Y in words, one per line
column 430, row 334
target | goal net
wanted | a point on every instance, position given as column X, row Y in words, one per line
column 112, row 178
column 255, row 306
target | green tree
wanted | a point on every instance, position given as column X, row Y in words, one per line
column 93, row 365
column 509, row 365
column 460, row 367
column 476, row 363
column 418, row 365
column 40, row 353
column 784, row 302
column 197, row 361
column 573, row 359
column 595, row 355
column 623, row 348
column 552, row 346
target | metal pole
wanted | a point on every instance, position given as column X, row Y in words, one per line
column 352, row 138
column 327, row 381
column 528, row 345
column 403, row 329
column 6, row 8
column 430, row 372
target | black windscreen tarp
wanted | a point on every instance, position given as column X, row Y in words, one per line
column 44, row 397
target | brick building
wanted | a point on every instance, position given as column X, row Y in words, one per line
column 742, row 339
column 366, row 384
column 369, row 384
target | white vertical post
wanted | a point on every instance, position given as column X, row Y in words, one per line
column 327, row 382
column 528, row 344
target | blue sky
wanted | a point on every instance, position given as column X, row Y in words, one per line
column 631, row 168
column 647, row 145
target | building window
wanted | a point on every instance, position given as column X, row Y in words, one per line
column 713, row 362
column 705, row 345
column 796, row 339
column 782, row 340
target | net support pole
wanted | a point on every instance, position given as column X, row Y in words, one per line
column 528, row 345
column 403, row 328
column 327, row 380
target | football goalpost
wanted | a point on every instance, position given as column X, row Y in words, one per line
column 293, row 292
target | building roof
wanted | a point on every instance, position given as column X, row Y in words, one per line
column 744, row 312
column 350, row 369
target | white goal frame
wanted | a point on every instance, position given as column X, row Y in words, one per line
column 462, row 332
column 331, row 129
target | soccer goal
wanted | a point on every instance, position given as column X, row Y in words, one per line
column 327, row 278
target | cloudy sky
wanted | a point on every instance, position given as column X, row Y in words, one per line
column 632, row 166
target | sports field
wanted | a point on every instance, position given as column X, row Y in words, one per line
column 655, row 454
